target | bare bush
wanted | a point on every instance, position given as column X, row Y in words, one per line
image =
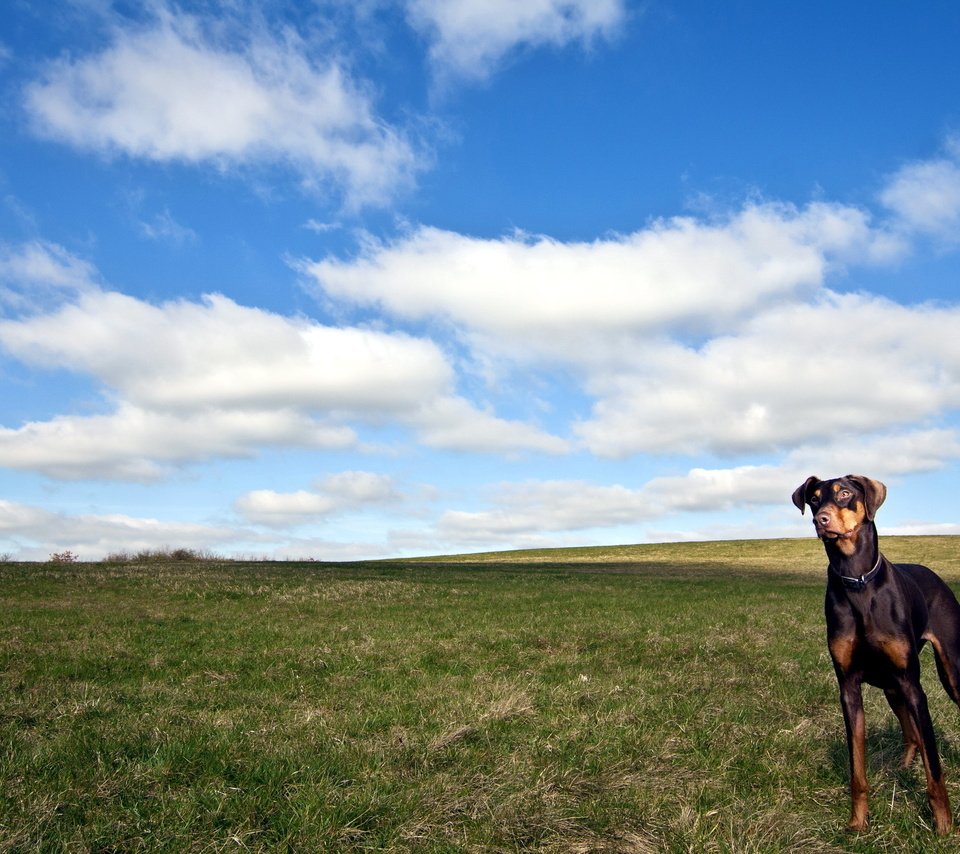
column 161, row 555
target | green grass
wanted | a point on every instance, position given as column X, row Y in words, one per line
column 657, row 698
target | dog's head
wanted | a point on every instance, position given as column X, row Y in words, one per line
column 840, row 506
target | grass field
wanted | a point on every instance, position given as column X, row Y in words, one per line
column 645, row 699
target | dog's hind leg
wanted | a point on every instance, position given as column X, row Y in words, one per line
column 909, row 688
column 911, row 738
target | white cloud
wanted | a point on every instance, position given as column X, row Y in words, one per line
column 526, row 514
column 359, row 487
column 454, row 423
column 470, row 37
column 185, row 381
column 888, row 455
column 535, row 507
column 540, row 508
column 319, row 227
column 35, row 273
column 137, row 444
column 336, row 493
column 163, row 227
column 924, row 529
column 529, row 512
column 883, row 456
column 281, row 509
column 690, row 336
column 186, row 355
column 169, row 92
column 585, row 301
column 859, row 364
column 925, row 195
column 35, row 533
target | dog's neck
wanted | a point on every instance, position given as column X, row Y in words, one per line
column 857, row 556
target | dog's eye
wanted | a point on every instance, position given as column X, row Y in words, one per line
column 845, row 493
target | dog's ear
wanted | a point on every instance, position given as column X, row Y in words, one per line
column 874, row 493
column 801, row 492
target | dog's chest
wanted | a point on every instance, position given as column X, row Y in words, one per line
column 871, row 643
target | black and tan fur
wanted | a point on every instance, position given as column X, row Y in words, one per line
column 879, row 616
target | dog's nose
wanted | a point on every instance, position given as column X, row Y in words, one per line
column 823, row 518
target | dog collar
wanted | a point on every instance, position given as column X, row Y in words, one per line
column 855, row 583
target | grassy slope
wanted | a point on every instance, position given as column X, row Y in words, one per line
column 781, row 555
column 670, row 698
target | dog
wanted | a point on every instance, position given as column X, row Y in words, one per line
column 879, row 616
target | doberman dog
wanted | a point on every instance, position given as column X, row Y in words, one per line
column 879, row 615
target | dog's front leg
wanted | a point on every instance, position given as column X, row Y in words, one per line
column 851, row 701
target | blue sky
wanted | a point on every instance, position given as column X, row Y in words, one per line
column 396, row 277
